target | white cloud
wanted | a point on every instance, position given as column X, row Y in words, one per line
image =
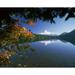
column 46, row 32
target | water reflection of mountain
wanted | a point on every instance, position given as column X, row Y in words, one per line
column 68, row 40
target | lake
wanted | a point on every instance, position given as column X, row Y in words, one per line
column 48, row 53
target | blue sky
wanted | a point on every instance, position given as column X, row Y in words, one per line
column 59, row 27
column 55, row 28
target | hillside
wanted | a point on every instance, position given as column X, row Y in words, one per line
column 68, row 36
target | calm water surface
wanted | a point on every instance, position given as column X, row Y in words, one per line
column 48, row 53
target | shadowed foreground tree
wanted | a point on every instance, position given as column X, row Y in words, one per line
column 45, row 14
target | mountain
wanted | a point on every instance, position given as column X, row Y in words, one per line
column 72, row 32
column 70, row 35
column 63, row 34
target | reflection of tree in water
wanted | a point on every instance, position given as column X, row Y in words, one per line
column 8, row 52
column 5, row 56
